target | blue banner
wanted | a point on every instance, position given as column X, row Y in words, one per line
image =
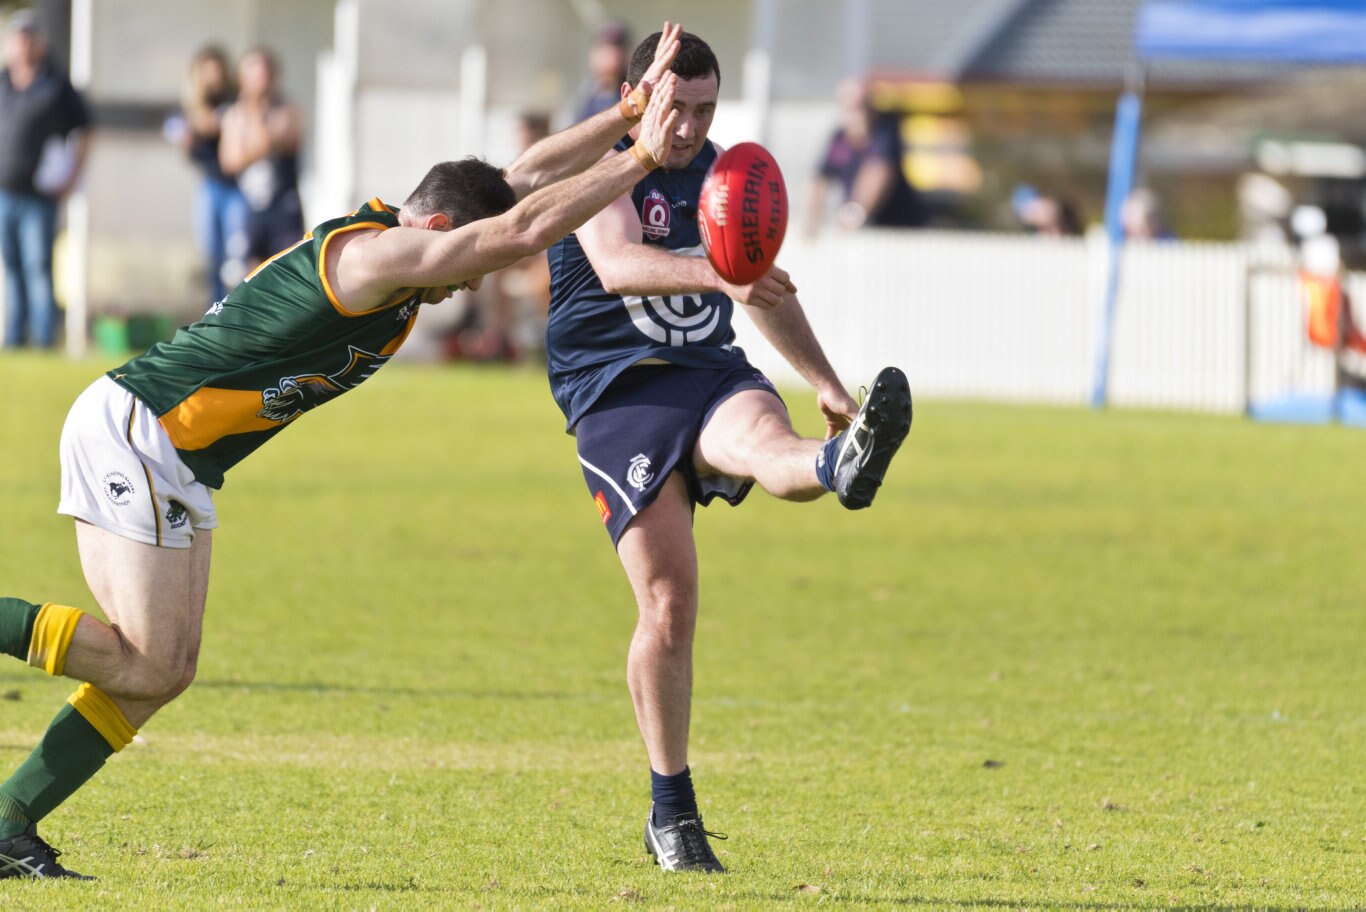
column 1276, row 31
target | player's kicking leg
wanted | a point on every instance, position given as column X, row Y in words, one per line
column 660, row 559
column 750, row 436
column 140, row 661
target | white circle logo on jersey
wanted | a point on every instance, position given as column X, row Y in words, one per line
column 655, row 215
column 681, row 319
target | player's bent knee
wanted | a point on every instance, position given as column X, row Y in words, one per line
column 151, row 681
column 670, row 622
column 186, row 679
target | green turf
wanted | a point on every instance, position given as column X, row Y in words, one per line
column 1068, row 660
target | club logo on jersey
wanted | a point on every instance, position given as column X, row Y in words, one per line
column 682, row 319
column 296, row 395
column 118, row 488
column 655, row 215
column 215, row 309
column 639, row 474
column 177, row 515
column 600, row 501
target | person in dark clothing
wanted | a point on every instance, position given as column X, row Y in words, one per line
column 863, row 157
column 260, row 149
column 220, row 210
column 43, row 145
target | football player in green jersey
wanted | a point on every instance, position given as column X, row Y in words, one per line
column 145, row 444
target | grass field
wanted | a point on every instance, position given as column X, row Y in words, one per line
column 1069, row 660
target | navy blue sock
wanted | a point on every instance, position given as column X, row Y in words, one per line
column 825, row 462
column 673, row 796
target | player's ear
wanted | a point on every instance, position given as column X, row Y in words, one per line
column 437, row 221
column 625, row 89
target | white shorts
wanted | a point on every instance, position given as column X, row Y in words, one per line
column 120, row 471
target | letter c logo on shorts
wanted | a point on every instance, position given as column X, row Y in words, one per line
column 639, row 474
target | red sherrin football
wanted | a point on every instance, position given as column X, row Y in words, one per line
column 743, row 213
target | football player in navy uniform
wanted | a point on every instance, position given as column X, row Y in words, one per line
column 145, row 445
column 668, row 414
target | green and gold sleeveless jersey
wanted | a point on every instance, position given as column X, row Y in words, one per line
column 278, row 345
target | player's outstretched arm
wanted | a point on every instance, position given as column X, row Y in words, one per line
column 370, row 268
column 788, row 331
column 571, row 151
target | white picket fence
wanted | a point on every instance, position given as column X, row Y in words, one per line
column 1198, row 326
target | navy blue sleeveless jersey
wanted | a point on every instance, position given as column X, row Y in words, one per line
column 593, row 335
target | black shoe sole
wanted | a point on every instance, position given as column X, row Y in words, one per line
column 887, row 414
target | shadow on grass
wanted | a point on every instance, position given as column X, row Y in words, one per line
column 321, row 687
column 324, row 687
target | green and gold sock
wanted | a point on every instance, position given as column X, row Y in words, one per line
column 16, row 626
column 39, row 634
column 80, row 739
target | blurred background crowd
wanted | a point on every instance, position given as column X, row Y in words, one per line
column 200, row 137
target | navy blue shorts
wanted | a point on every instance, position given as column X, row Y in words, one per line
column 645, row 426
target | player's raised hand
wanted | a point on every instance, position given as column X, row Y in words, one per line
column 765, row 293
column 657, row 126
column 665, row 52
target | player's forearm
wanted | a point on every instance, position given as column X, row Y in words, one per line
column 529, row 227
column 568, row 152
column 787, row 330
column 635, row 269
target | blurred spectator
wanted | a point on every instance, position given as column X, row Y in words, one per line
column 864, row 156
column 43, row 144
column 508, row 313
column 220, row 210
column 260, row 148
column 1047, row 216
column 1143, row 219
column 607, row 60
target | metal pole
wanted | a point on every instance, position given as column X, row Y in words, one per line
column 78, row 204
column 1123, row 159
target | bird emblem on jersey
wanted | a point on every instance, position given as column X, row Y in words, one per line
column 295, row 395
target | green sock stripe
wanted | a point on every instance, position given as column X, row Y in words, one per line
column 70, row 753
column 16, row 626
column 12, row 812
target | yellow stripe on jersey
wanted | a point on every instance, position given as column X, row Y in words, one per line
column 303, row 240
column 53, row 629
column 104, row 716
column 210, row 414
column 322, row 268
column 395, row 344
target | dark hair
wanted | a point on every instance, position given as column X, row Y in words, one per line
column 694, row 61
column 464, row 191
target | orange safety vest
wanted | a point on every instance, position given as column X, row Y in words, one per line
column 1324, row 301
